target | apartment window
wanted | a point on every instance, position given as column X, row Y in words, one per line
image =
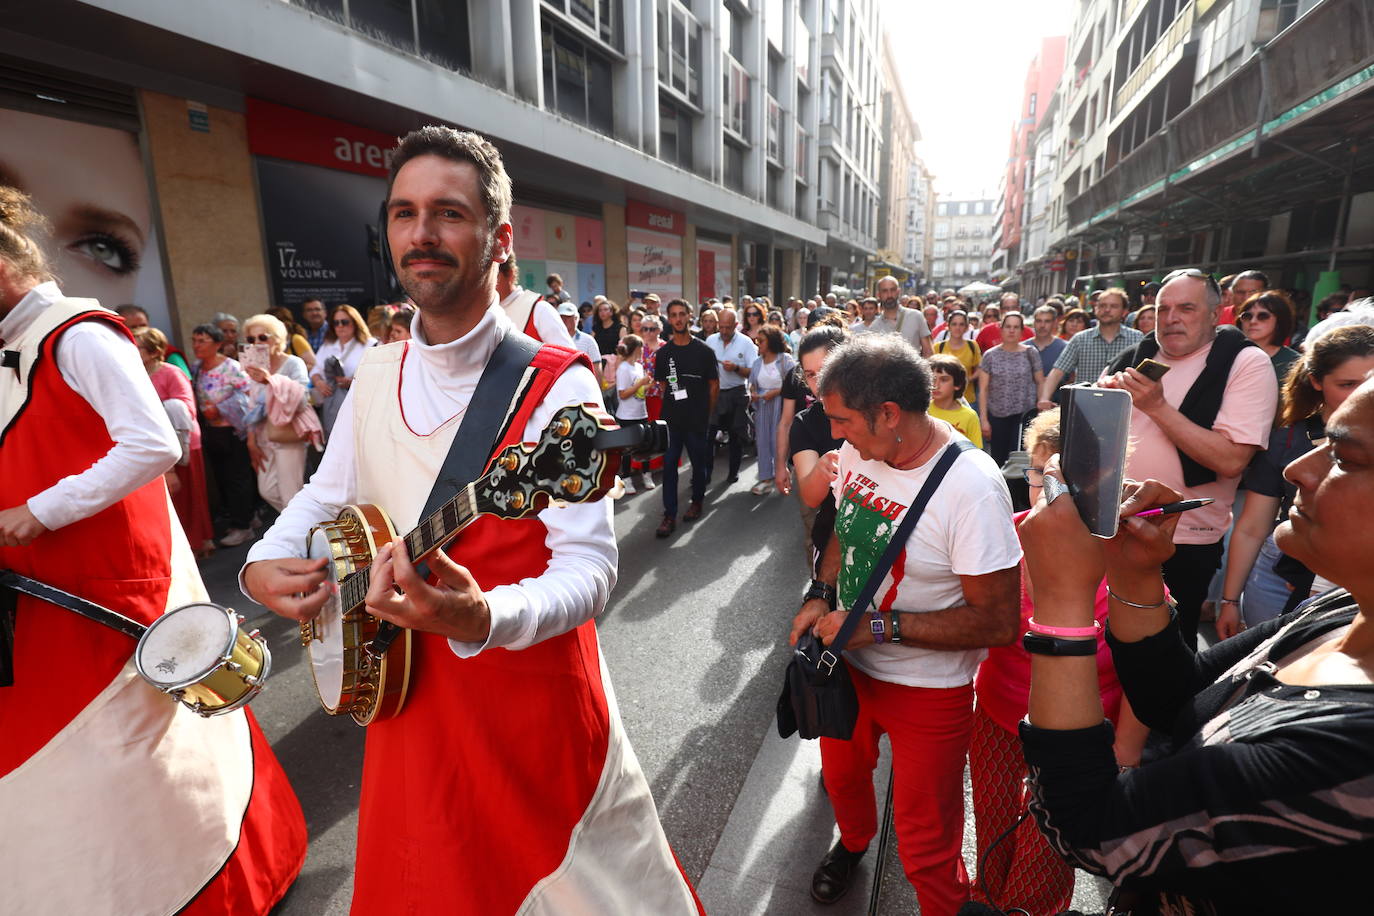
column 386, row 20
column 600, row 18
column 1274, row 17
column 963, row 208
column 1030, row 112
column 674, row 134
column 774, row 130
column 679, row 50
column 577, row 80
column 942, row 228
column 959, row 268
column 734, row 168
column 938, row 268
column 443, row 31
column 736, row 87
column 943, row 210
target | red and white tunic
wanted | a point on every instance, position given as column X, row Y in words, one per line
column 113, row 798
column 506, row 784
column 535, row 316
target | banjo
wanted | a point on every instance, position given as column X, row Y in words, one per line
column 361, row 665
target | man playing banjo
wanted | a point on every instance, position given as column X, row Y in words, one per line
column 506, row 781
column 113, row 798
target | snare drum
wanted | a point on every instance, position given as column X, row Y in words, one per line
column 199, row 655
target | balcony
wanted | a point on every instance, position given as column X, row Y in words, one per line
column 1162, row 57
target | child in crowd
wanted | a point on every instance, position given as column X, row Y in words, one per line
column 946, row 397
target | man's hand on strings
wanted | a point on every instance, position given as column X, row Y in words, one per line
column 455, row 608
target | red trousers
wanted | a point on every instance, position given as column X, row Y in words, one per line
column 929, row 731
column 1023, row 871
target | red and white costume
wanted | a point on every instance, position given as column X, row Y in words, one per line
column 535, row 316
column 114, row 799
column 506, row 784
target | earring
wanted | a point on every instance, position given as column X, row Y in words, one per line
column 899, row 438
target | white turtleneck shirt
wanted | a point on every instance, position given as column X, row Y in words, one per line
column 436, row 387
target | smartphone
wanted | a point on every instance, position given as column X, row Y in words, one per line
column 256, row 357
column 1096, row 425
column 1152, row 370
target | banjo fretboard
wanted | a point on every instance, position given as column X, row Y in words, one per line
column 432, row 533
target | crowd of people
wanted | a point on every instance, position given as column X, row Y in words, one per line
column 1104, row 729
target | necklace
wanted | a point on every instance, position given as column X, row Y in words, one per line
column 902, row 465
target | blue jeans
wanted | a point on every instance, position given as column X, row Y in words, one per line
column 699, row 452
column 1266, row 592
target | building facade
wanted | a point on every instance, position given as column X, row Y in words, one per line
column 899, row 137
column 962, row 241
column 666, row 146
column 1042, row 76
column 920, row 222
column 1224, row 134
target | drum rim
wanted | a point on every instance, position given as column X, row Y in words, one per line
column 225, row 653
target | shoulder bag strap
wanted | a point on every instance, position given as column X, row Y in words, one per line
column 894, row 548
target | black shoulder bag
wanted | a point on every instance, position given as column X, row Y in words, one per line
column 818, row 699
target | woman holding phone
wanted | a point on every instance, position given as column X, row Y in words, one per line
column 1259, row 803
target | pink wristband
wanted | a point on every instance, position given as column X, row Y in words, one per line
column 1044, row 630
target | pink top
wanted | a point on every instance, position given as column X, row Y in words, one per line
column 171, row 383
column 1003, row 683
column 1246, row 416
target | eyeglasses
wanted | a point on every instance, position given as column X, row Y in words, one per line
column 1034, row 476
column 1256, row 316
column 261, row 338
column 340, row 322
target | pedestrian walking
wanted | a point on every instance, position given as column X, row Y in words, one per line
column 687, row 369
column 766, row 376
column 1010, row 377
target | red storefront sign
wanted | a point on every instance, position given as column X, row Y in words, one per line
column 1057, row 264
column 659, row 219
column 289, row 133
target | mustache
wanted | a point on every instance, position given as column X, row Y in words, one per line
column 417, row 255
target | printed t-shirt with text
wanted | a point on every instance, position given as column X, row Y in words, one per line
column 966, row 530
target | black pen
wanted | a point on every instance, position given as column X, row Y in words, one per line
column 1181, row 506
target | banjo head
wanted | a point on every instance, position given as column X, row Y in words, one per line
column 326, row 645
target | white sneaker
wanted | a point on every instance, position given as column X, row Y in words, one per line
column 647, row 483
column 236, row 536
column 629, row 486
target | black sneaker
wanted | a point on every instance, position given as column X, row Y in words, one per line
column 835, row 874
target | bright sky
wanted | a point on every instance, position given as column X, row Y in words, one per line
column 963, row 67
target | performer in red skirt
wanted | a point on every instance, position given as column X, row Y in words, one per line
column 113, row 797
column 506, row 784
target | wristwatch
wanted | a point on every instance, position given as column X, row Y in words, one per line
column 896, row 627
column 819, row 589
column 1037, row 644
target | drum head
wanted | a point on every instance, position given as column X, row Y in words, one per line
column 185, row 644
column 327, row 649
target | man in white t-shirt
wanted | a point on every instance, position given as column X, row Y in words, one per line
column 954, row 592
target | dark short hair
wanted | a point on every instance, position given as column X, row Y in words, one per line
column 682, row 302
column 124, row 311
column 210, row 331
column 774, row 337
column 873, row 369
column 954, row 368
column 460, row 146
column 1279, row 305
column 549, row 280
column 1252, row 274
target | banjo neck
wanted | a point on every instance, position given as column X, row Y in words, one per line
column 433, row 533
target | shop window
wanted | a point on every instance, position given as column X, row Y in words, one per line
column 443, row 31
column 390, row 21
column 577, row 80
column 674, row 135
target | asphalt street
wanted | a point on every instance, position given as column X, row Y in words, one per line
column 695, row 640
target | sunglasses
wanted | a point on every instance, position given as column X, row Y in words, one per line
column 1034, row 476
column 1194, row 274
column 340, row 322
column 1256, row 316
column 261, row 338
